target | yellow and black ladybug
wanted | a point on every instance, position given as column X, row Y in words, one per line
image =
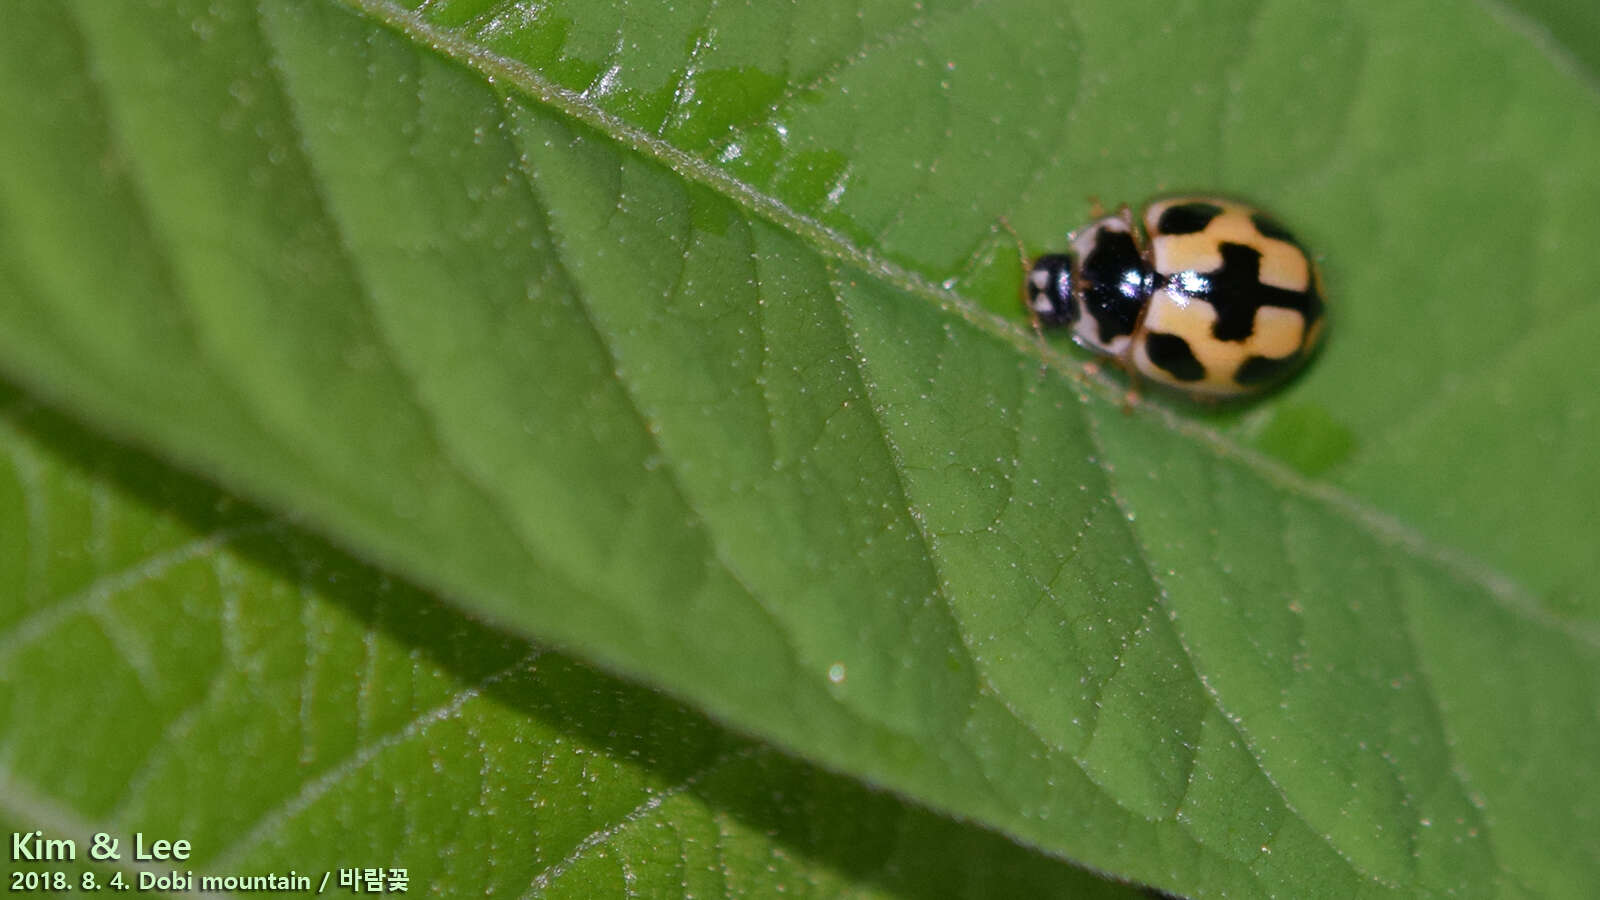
column 1213, row 298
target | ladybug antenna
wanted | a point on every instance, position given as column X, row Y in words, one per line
column 1022, row 251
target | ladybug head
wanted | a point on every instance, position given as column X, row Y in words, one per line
column 1052, row 290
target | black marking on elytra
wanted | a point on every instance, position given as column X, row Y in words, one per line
column 1264, row 369
column 1235, row 291
column 1061, row 308
column 1172, row 354
column 1116, row 283
column 1271, row 228
column 1187, row 218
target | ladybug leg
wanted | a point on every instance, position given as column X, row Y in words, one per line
column 1097, row 210
column 1135, row 393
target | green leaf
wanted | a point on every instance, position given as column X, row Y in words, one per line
column 685, row 337
column 1561, row 29
column 187, row 667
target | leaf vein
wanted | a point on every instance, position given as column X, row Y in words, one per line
column 373, row 323
column 40, row 622
column 837, row 246
column 647, row 422
column 543, row 879
column 359, row 758
column 1210, row 690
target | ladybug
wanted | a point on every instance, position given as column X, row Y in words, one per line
column 1213, row 297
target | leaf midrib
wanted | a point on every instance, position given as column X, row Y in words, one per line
column 1539, row 35
column 831, row 243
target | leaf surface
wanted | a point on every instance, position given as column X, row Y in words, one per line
column 169, row 632
column 696, row 354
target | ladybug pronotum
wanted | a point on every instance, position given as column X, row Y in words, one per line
column 1212, row 297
